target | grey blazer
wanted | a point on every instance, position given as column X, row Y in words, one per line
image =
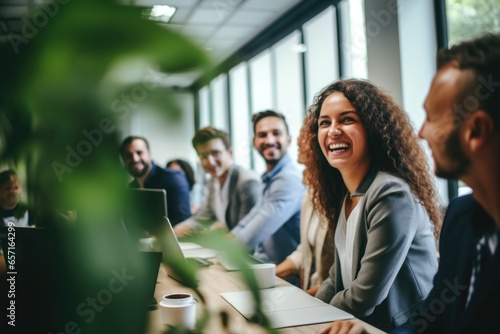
column 394, row 255
column 245, row 190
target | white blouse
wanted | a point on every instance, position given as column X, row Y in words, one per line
column 344, row 241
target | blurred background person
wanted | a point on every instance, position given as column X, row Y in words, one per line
column 137, row 159
column 11, row 209
column 232, row 190
column 196, row 189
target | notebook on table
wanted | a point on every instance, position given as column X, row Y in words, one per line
column 196, row 251
column 227, row 264
column 286, row 306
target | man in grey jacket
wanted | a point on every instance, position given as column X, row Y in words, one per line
column 232, row 190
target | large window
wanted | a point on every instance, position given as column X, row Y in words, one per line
column 262, row 93
column 240, row 115
column 218, row 88
column 204, row 106
column 353, row 45
column 285, row 77
column 321, row 56
column 470, row 18
column 289, row 86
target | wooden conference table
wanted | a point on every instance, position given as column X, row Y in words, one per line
column 214, row 280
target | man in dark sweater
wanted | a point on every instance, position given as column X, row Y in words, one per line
column 138, row 162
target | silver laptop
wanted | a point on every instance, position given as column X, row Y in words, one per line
column 197, row 251
column 229, row 265
column 178, row 266
column 286, row 306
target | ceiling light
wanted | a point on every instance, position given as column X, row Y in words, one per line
column 161, row 13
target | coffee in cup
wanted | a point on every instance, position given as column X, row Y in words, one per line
column 179, row 310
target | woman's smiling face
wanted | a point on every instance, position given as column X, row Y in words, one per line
column 341, row 134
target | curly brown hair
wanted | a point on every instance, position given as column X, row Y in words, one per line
column 392, row 143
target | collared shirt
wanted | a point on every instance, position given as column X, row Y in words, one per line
column 344, row 242
column 11, row 216
column 18, row 215
column 222, row 195
column 272, row 226
column 490, row 241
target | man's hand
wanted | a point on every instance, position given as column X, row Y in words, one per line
column 313, row 290
column 181, row 230
column 216, row 226
column 344, row 327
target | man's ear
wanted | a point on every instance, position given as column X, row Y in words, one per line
column 480, row 130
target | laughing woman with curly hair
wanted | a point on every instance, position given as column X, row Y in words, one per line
column 370, row 178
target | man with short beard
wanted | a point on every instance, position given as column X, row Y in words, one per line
column 11, row 210
column 272, row 227
column 232, row 190
column 138, row 162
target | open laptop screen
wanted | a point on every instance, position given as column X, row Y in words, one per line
column 143, row 209
column 175, row 262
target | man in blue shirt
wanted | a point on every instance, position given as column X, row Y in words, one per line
column 138, row 162
column 271, row 228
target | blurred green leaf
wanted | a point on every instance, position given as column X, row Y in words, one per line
column 57, row 119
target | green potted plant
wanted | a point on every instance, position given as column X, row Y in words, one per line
column 58, row 123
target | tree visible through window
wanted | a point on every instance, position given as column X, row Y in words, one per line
column 470, row 18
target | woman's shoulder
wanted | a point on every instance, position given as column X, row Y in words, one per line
column 384, row 177
column 386, row 183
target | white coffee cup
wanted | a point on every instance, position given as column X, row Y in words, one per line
column 179, row 310
column 265, row 274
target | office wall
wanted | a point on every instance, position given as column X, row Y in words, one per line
column 169, row 130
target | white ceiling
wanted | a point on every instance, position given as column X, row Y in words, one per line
column 221, row 27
